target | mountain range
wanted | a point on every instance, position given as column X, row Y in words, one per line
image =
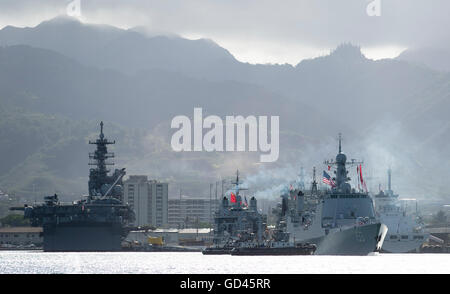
column 60, row 78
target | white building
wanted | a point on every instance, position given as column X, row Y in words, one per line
column 187, row 212
column 148, row 199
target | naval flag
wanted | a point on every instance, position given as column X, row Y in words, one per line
column 233, row 198
column 327, row 179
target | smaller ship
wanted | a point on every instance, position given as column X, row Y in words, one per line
column 277, row 244
column 217, row 250
column 276, row 249
column 241, row 230
column 406, row 231
column 235, row 219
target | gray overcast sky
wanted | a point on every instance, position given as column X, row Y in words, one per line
column 263, row 30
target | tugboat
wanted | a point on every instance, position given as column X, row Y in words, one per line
column 339, row 221
column 96, row 223
column 279, row 244
column 218, row 249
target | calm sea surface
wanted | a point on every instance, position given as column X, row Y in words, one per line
column 30, row 262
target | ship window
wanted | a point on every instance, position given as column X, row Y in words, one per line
column 418, row 237
column 393, row 236
column 404, row 236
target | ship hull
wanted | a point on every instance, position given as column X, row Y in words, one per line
column 357, row 240
column 401, row 246
column 82, row 237
column 305, row 250
column 216, row 251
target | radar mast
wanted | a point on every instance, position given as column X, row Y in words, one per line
column 341, row 179
column 100, row 184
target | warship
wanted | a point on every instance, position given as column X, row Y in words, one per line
column 97, row 222
column 241, row 230
column 406, row 231
column 339, row 221
column 235, row 220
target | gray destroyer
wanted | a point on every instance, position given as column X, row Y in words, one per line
column 96, row 223
column 340, row 221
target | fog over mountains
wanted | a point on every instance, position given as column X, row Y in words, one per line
column 60, row 78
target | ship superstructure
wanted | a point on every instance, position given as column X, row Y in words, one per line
column 340, row 221
column 406, row 231
column 97, row 222
column 100, row 183
column 237, row 218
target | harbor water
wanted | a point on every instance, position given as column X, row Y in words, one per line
column 38, row 262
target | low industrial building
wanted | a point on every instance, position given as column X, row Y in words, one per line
column 173, row 236
column 21, row 236
column 195, row 236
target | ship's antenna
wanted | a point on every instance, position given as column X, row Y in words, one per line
column 314, row 183
column 101, row 130
column 389, row 178
column 237, row 183
column 340, row 139
column 98, row 175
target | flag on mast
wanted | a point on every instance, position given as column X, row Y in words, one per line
column 233, row 198
column 327, row 179
column 359, row 178
column 363, row 184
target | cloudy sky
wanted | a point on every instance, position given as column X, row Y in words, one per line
column 263, row 31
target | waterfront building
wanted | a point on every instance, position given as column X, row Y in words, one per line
column 190, row 212
column 148, row 199
column 21, row 236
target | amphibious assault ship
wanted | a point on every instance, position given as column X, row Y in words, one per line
column 340, row 221
column 406, row 231
column 97, row 222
